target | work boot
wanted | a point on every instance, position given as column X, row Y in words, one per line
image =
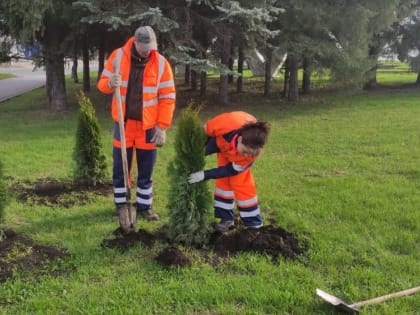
column 254, row 227
column 224, row 226
column 148, row 214
column 124, row 218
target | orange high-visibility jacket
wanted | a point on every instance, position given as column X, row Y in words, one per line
column 158, row 86
column 224, row 129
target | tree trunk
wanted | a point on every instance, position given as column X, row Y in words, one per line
column 194, row 80
column 74, row 76
column 203, row 85
column 293, row 85
column 54, row 67
column 224, row 79
column 239, row 82
column 267, row 71
column 306, row 80
column 373, row 55
column 187, row 74
column 186, row 30
column 418, row 78
column 86, row 70
column 371, row 83
column 55, row 83
column 230, row 76
column 101, row 58
column 286, row 82
column 223, row 89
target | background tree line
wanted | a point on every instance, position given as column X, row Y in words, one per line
column 346, row 37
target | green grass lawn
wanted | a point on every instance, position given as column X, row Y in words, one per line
column 342, row 172
column 6, row 76
column 388, row 73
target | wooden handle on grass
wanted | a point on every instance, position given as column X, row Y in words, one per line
column 386, row 297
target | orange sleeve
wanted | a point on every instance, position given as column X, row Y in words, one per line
column 103, row 83
column 167, row 97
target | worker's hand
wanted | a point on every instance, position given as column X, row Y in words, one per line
column 115, row 80
column 196, row 177
column 159, row 137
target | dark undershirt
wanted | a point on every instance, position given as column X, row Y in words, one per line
column 134, row 99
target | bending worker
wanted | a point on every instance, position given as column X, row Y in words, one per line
column 148, row 100
column 238, row 139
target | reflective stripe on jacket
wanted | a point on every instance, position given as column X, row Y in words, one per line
column 158, row 86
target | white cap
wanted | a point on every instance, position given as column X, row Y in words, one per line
column 146, row 37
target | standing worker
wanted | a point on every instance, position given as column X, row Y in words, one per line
column 238, row 139
column 147, row 87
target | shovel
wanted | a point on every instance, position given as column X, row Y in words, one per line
column 127, row 216
column 354, row 308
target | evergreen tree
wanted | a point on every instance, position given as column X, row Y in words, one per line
column 5, row 47
column 47, row 23
column 188, row 204
column 90, row 164
column 406, row 42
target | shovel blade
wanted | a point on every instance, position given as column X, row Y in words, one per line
column 124, row 218
column 133, row 217
column 335, row 301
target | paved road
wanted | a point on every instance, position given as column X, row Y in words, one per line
column 26, row 79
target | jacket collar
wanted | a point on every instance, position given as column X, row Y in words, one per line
column 234, row 142
column 127, row 48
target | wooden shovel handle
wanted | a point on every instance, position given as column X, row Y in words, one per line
column 386, row 297
column 117, row 95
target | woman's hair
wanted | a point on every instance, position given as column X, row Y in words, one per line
column 254, row 134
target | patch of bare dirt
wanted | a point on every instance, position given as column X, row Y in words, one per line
column 20, row 255
column 173, row 256
column 270, row 240
column 53, row 193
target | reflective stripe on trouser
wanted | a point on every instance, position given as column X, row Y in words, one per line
column 145, row 163
column 242, row 188
column 146, row 158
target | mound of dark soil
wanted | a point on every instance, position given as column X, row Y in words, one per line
column 19, row 254
column 270, row 240
column 63, row 194
column 266, row 240
column 173, row 257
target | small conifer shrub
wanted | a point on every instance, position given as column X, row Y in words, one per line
column 90, row 163
column 188, row 204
